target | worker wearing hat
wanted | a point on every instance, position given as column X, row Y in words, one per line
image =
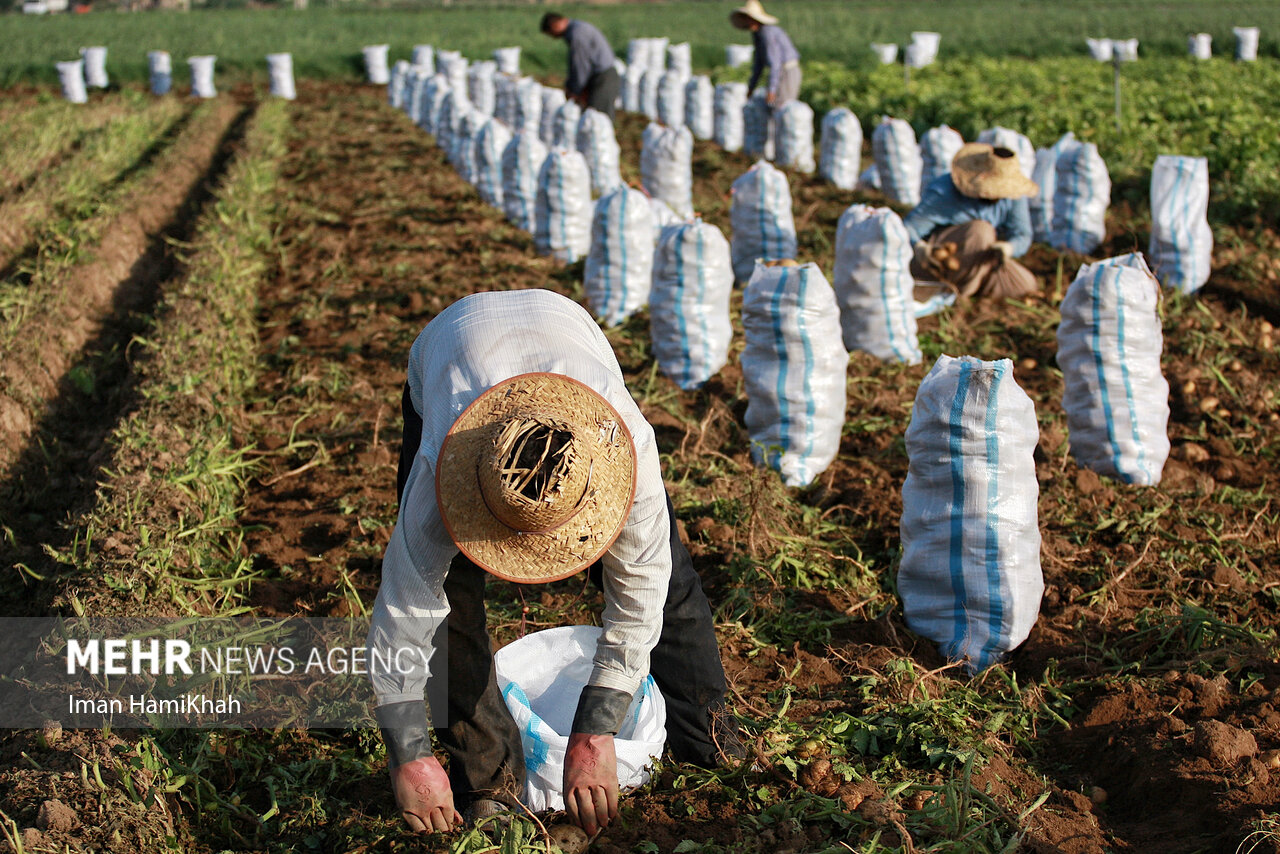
column 526, row 458
column 973, row 222
column 773, row 49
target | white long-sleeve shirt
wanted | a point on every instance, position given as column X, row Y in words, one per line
column 471, row 346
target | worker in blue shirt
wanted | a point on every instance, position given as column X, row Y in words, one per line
column 593, row 79
column 973, row 222
column 773, row 49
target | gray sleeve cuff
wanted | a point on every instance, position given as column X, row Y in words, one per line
column 600, row 710
column 405, row 731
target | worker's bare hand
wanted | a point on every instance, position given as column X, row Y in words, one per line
column 424, row 796
column 591, row 781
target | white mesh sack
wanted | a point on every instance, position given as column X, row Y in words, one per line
column 443, row 58
column 95, row 66
column 1126, row 50
column 619, row 268
column 649, row 83
column 873, row 284
column 415, row 80
column 923, row 48
column 1046, row 177
column 970, row 576
column 481, row 88
column 1100, row 49
column 632, row 102
column 795, row 137
column 375, row 63
column 280, row 75
column 160, row 71
column 841, row 148
column 507, row 59
column 671, row 99
column 432, row 102
column 455, row 68
column 424, row 56
column 793, row 367
column 666, row 166
column 699, row 107
column 730, row 98
column 202, row 76
column 663, row 216
column 680, row 59
column 451, row 106
column 1246, row 43
column 1114, row 394
column 504, row 99
column 552, row 101
column 1002, row 137
column 1200, row 46
column 564, row 131
column 737, row 55
column 521, row 164
column 464, row 143
column 491, row 143
column 528, row 106
column 398, row 84
column 758, row 129
column 563, row 211
column 689, row 305
column 761, row 219
column 599, row 146
column 886, row 54
column 1181, row 247
column 541, row 677
column 657, row 54
column 898, row 161
column 938, row 147
column 71, row 78
column 1081, row 196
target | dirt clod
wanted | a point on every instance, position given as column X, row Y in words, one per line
column 55, row 815
column 1223, row 744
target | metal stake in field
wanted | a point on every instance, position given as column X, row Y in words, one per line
column 1115, row 63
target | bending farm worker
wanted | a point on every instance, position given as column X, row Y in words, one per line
column 973, row 222
column 592, row 79
column 526, row 458
column 773, row 49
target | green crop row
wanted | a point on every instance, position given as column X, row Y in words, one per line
column 326, row 42
column 1225, row 112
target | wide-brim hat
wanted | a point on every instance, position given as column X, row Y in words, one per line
column 750, row 11
column 983, row 171
column 536, row 478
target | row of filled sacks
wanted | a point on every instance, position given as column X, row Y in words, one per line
column 90, row 71
column 540, row 111
column 379, row 71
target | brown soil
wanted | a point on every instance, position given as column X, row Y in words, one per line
column 380, row 235
column 121, row 277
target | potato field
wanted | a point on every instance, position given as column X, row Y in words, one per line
column 206, row 308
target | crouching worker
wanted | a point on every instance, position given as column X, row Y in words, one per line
column 972, row 223
column 526, row 458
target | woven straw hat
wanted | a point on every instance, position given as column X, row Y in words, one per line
column 981, row 171
column 536, row 478
column 752, row 10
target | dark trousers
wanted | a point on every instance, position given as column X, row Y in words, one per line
column 602, row 91
column 481, row 740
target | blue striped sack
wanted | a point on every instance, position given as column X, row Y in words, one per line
column 970, row 576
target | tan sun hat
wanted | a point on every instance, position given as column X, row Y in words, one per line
column 536, row 478
column 982, row 171
column 750, row 11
